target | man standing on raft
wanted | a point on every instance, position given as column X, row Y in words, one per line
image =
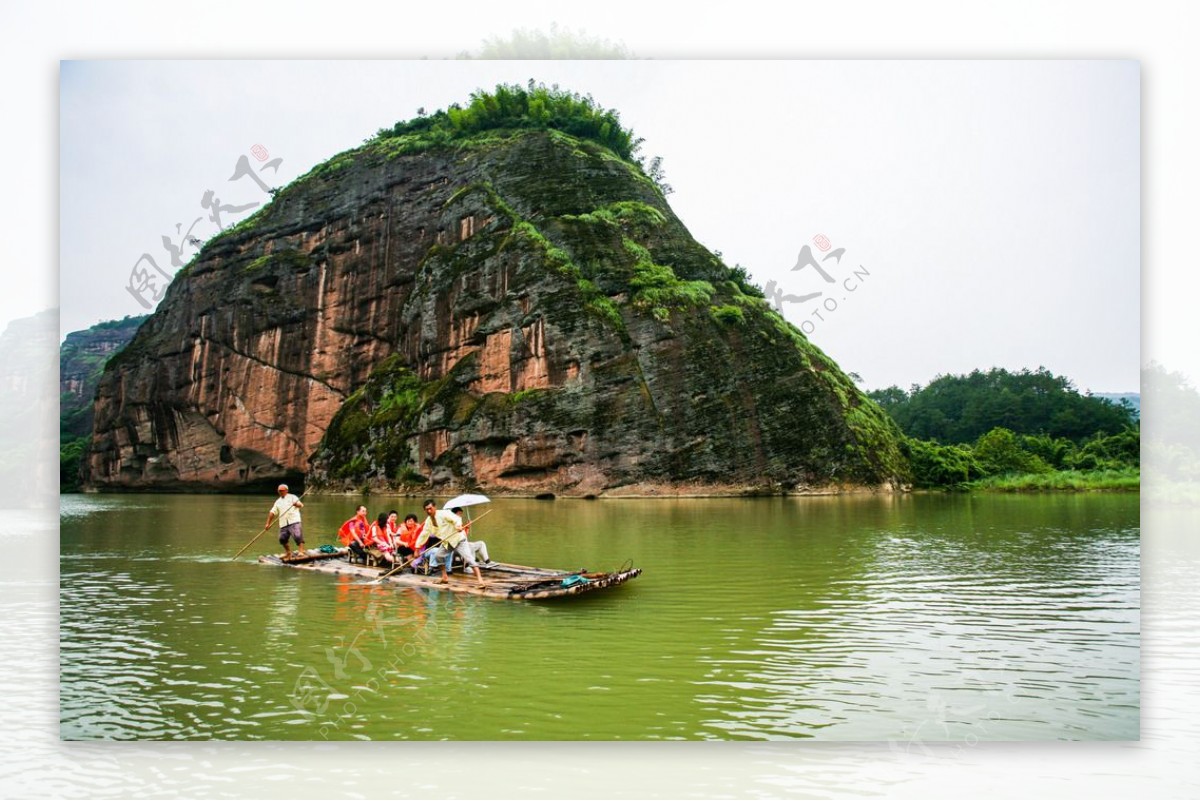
column 448, row 527
column 287, row 510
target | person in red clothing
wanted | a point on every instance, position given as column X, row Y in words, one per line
column 407, row 537
column 381, row 541
column 354, row 532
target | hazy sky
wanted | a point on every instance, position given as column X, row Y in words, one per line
column 989, row 208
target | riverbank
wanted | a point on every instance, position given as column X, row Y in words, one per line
column 640, row 490
column 1126, row 480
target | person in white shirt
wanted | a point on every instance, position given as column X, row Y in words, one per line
column 449, row 530
column 287, row 511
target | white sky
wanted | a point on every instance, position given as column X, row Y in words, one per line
column 994, row 204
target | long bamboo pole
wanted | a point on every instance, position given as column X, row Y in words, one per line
column 267, row 526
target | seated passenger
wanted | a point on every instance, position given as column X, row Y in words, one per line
column 406, row 537
column 353, row 533
column 382, row 546
column 478, row 547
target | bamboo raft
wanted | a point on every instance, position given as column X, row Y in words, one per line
column 502, row 580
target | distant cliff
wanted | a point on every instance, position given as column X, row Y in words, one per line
column 464, row 304
column 82, row 357
column 26, row 418
column 81, row 360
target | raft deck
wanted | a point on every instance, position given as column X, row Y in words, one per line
column 501, row 580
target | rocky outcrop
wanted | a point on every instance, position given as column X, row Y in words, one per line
column 81, row 360
column 518, row 312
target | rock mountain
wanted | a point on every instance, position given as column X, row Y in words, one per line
column 81, row 359
column 503, row 305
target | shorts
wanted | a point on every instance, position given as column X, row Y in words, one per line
column 292, row 531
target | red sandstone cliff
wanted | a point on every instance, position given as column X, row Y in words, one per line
column 523, row 314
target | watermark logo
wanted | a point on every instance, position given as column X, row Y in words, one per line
column 147, row 287
column 951, row 727
column 828, row 299
column 935, row 731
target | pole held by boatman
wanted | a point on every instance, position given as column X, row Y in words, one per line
column 287, row 511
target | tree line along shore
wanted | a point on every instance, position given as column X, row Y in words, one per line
column 1015, row 431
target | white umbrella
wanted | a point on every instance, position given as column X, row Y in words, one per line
column 466, row 500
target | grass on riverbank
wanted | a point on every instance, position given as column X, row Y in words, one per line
column 1127, row 480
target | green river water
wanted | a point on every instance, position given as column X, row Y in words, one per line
column 910, row 619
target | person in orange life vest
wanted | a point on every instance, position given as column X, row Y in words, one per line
column 406, row 537
column 380, row 539
column 354, row 532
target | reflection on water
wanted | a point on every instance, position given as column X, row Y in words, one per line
column 907, row 620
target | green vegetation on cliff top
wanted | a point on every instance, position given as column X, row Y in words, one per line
column 534, row 107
